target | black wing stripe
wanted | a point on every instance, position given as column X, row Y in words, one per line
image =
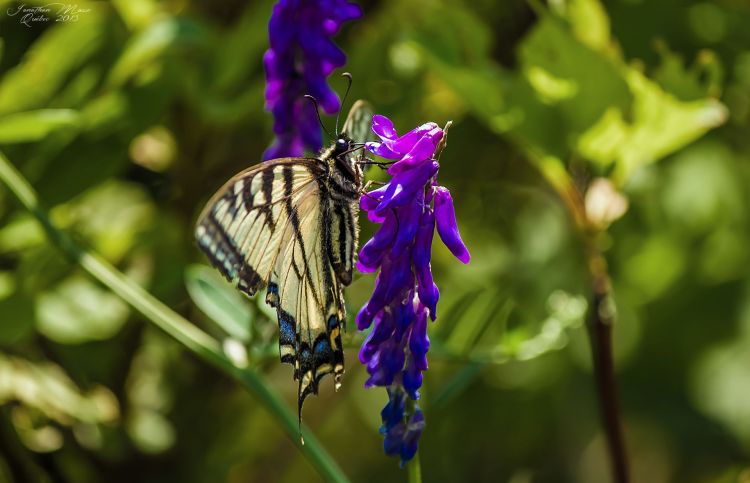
column 294, row 220
column 247, row 193
column 267, row 184
column 218, row 247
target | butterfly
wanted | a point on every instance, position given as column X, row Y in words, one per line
column 290, row 225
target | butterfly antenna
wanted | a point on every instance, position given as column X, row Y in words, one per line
column 346, row 94
column 317, row 112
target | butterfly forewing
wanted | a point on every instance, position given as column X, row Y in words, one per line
column 290, row 225
column 240, row 229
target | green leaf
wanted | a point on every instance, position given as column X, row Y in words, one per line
column 60, row 51
column 18, row 316
column 150, row 431
column 576, row 97
column 569, row 77
column 219, row 300
column 111, row 216
column 662, row 124
column 151, row 45
column 78, row 311
column 703, row 78
column 590, row 23
column 32, row 126
column 137, row 14
column 46, row 388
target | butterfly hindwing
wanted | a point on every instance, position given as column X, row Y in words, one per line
column 308, row 298
column 359, row 122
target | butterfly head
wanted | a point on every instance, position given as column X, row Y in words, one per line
column 343, row 148
column 342, row 145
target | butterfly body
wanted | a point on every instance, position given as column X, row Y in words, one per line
column 290, row 225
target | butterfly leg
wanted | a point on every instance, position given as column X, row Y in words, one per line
column 372, row 162
column 370, row 183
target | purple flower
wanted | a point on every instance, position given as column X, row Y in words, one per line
column 300, row 58
column 408, row 207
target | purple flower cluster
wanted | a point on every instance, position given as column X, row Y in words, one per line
column 300, row 58
column 408, row 209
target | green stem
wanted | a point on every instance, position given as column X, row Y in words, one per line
column 415, row 469
column 187, row 334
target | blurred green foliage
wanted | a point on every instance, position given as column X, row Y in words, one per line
column 128, row 119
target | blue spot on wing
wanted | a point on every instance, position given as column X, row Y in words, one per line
column 287, row 334
column 322, row 347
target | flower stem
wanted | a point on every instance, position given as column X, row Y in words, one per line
column 599, row 323
column 601, row 316
column 187, row 334
column 415, row 469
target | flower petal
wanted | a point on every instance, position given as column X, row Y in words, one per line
column 380, row 149
column 372, row 252
column 403, row 187
column 414, row 429
column 407, row 220
column 383, row 127
column 419, row 153
column 405, row 143
column 447, row 228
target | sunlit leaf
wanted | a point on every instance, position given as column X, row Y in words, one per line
column 45, row 67
column 35, row 125
column 662, row 124
column 151, row 431
column 591, row 82
column 150, row 45
column 703, row 78
column 137, row 14
column 21, row 232
column 111, row 216
column 590, row 23
column 45, row 387
column 78, row 310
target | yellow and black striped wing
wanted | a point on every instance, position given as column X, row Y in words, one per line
column 269, row 226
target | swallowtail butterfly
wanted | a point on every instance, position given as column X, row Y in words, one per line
column 290, row 225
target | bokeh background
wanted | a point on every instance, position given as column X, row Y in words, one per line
column 127, row 119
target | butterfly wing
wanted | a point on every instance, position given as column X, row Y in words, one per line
column 359, row 122
column 308, row 297
column 267, row 227
column 241, row 226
